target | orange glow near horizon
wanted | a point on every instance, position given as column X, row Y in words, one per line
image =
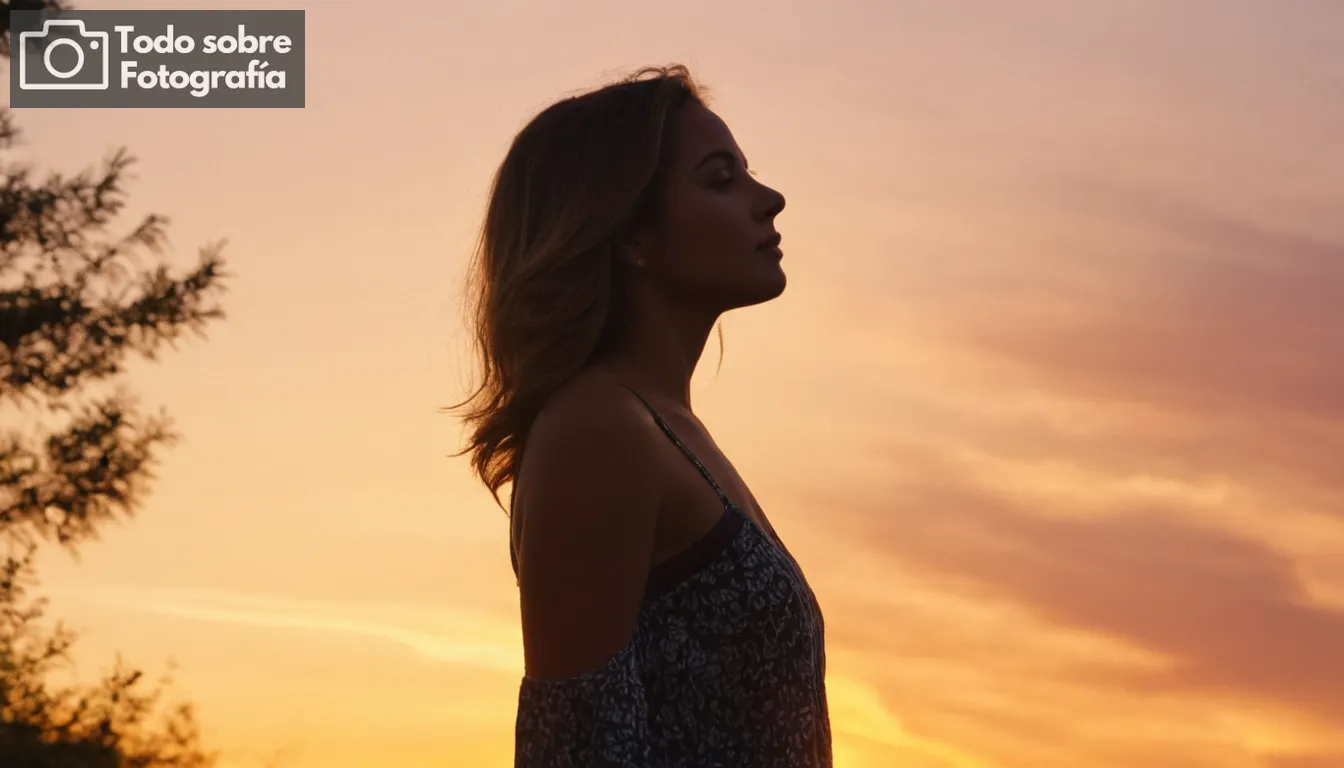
column 1051, row 412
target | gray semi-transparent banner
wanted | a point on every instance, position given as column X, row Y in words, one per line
column 156, row 59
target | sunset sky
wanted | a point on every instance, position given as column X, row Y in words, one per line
column 1051, row 412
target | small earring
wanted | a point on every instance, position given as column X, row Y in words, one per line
column 639, row 263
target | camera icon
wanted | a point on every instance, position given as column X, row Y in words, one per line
column 65, row 57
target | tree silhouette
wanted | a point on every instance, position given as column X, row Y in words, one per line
column 75, row 304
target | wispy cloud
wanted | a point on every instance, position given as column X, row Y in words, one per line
column 439, row 634
column 1135, row 497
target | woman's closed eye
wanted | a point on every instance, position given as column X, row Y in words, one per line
column 725, row 179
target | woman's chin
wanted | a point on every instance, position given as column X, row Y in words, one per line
column 766, row 287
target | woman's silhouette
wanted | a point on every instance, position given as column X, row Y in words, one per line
column 664, row 623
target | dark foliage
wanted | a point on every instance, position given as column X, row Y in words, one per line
column 75, row 304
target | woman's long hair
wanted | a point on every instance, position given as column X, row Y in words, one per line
column 578, row 178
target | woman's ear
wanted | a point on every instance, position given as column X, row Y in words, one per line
column 630, row 251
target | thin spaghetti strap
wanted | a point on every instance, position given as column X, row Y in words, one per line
column 513, row 550
column 723, row 497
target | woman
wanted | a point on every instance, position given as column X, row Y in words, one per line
column 664, row 623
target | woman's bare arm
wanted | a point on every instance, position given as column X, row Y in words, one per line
column 587, row 514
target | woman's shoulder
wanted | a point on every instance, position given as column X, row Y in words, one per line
column 592, row 401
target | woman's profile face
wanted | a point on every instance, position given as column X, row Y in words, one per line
column 712, row 244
